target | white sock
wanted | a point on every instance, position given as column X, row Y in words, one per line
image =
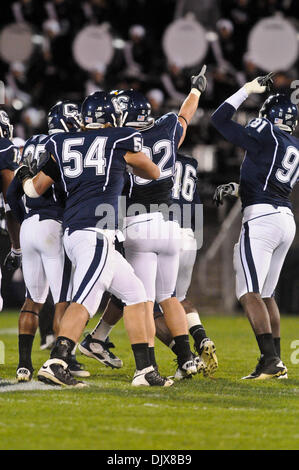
column 193, row 319
column 101, row 331
column 74, row 349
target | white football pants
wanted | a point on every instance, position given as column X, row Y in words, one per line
column 266, row 236
column 99, row 267
column 44, row 262
column 152, row 247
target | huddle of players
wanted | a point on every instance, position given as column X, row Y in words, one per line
column 116, row 133
column 71, row 179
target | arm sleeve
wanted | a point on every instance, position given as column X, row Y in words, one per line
column 51, row 169
column 14, row 198
column 231, row 130
column 130, row 141
column 8, row 155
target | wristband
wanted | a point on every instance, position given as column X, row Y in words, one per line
column 196, row 92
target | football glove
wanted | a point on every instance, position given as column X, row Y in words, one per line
column 199, row 82
column 23, row 172
column 259, row 84
column 13, row 260
column 230, row 189
column 32, row 165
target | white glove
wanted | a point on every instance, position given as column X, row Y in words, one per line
column 229, row 189
column 259, row 84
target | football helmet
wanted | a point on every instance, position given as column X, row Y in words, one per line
column 6, row 129
column 64, row 116
column 98, row 109
column 135, row 109
column 280, row 110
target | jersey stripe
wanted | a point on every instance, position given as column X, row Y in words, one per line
column 274, row 156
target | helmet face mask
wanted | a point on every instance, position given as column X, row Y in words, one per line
column 98, row 110
column 6, row 128
column 279, row 110
column 135, row 109
column 64, row 116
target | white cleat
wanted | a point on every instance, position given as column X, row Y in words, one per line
column 56, row 372
column 23, row 374
column 150, row 377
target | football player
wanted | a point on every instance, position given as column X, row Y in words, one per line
column 267, row 176
column 185, row 193
column 44, row 262
column 92, row 168
column 9, row 156
column 152, row 239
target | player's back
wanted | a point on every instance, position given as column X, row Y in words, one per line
column 51, row 203
column 185, row 191
column 92, row 170
column 269, row 173
column 160, row 143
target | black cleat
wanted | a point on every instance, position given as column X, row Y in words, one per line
column 76, row 368
column 151, row 378
column 56, row 372
column 268, row 369
column 100, row 350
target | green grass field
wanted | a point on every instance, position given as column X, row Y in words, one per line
column 220, row 413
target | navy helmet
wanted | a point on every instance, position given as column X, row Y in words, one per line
column 64, row 116
column 98, row 109
column 135, row 109
column 6, row 129
column 280, row 110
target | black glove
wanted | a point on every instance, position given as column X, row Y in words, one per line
column 23, row 172
column 199, row 81
column 13, row 260
column 267, row 80
column 230, row 189
column 32, row 165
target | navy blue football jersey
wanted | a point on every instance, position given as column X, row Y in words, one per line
column 51, row 204
column 185, row 189
column 160, row 144
column 269, row 172
column 8, row 156
column 270, row 167
column 93, row 168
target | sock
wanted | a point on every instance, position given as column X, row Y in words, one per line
column 152, row 357
column 183, row 348
column 173, row 347
column 73, row 351
column 198, row 333
column 277, row 346
column 101, row 331
column 62, row 348
column 141, row 355
column 25, row 349
column 266, row 345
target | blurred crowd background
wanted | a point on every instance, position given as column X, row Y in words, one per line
column 51, row 71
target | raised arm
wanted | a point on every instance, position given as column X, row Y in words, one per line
column 190, row 105
column 222, row 117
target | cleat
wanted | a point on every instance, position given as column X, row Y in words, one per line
column 76, row 368
column 151, row 378
column 99, row 350
column 186, row 370
column 268, row 369
column 207, row 352
column 47, row 342
column 200, row 365
column 24, row 374
column 56, row 372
